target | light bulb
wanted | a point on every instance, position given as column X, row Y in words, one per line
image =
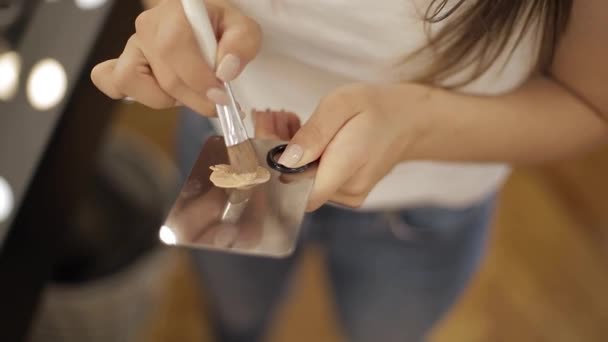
column 89, row 4
column 46, row 84
column 167, row 236
column 10, row 66
column 6, row 199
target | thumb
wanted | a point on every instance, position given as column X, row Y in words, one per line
column 239, row 43
column 310, row 141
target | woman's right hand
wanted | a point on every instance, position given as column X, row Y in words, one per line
column 162, row 65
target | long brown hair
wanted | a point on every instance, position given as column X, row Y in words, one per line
column 477, row 35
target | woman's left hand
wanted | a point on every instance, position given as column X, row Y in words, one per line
column 359, row 132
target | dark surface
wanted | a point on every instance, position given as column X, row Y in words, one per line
column 14, row 18
column 47, row 157
column 116, row 222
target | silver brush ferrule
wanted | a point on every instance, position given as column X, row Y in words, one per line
column 230, row 120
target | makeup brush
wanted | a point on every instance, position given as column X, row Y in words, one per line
column 241, row 153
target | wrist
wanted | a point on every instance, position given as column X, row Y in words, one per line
column 418, row 119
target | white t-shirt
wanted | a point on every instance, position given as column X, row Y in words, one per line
column 311, row 47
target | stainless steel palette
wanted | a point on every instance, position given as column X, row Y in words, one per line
column 264, row 220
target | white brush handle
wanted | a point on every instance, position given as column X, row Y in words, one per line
column 230, row 119
column 197, row 15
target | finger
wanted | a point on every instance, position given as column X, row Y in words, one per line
column 345, row 155
column 313, row 137
column 347, row 200
column 334, row 169
column 177, row 47
column 101, row 76
column 133, row 77
column 354, row 191
column 239, row 43
column 275, row 124
column 281, row 125
column 264, row 125
column 333, row 172
column 293, row 122
column 172, row 84
column 309, row 173
column 147, row 28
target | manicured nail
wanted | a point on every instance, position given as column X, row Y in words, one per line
column 291, row 156
column 218, row 96
column 225, row 235
column 228, row 68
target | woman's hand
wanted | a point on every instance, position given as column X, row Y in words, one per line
column 162, row 64
column 359, row 132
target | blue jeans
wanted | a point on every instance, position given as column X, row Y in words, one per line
column 394, row 273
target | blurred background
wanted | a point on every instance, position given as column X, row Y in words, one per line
column 85, row 183
column 544, row 279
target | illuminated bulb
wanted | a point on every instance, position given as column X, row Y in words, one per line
column 167, row 236
column 10, row 66
column 6, row 199
column 89, row 4
column 46, row 84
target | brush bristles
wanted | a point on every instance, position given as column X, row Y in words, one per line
column 242, row 157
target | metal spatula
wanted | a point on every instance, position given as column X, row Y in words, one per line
column 263, row 220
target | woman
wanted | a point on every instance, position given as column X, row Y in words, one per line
column 415, row 108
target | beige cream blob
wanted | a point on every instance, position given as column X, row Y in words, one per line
column 224, row 176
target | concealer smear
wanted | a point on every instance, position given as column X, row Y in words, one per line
column 224, row 176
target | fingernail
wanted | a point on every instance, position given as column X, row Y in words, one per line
column 218, row 96
column 291, row 156
column 228, row 68
column 225, row 235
